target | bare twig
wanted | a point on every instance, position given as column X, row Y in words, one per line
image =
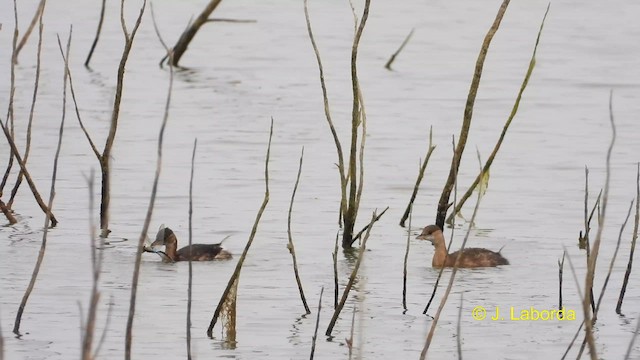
column 634, row 237
column 189, row 288
column 327, row 112
column 596, row 244
column 458, row 328
column 454, row 270
column 395, row 54
column 560, row 269
column 406, row 262
column 185, row 39
column 105, row 158
column 416, row 187
column 154, row 189
column 52, row 194
column 95, row 40
column 315, row 332
column 514, row 111
column 27, row 33
column 290, row 246
column 443, row 204
column 335, row 273
column 355, row 238
column 352, row 278
column 236, row 273
column 12, row 92
column 14, row 191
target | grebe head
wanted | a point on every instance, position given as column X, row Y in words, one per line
column 164, row 236
column 427, row 232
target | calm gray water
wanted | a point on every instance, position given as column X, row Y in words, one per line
column 239, row 76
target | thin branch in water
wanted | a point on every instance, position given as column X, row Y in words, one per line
column 406, row 262
column 154, row 189
column 315, row 332
column 634, row 237
column 454, row 270
column 560, row 269
column 27, row 33
column 52, row 194
column 458, row 327
column 591, row 269
column 185, row 39
column 632, row 341
column 327, row 112
column 290, row 245
column 395, row 54
column 236, row 273
column 335, row 272
column 103, row 337
column 416, row 187
column 355, row 238
column 98, row 31
column 443, row 203
column 14, row 191
column 352, row 278
column 189, row 289
column 12, row 92
column 514, row 111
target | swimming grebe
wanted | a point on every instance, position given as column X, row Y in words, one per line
column 195, row 252
column 471, row 258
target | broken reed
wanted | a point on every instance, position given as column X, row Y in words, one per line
column 395, row 54
column 514, row 111
column 290, row 245
column 189, row 287
column 315, row 331
column 233, row 280
column 97, row 37
column 443, row 203
column 52, row 194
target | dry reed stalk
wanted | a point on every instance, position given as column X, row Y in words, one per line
column 359, row 234
column 103, row 337
column 406, row 262
column 416, row 187
column 16, row 186
column 454, row 270
column 443, row 204
column 606, row 280
column 634, row 237
column 233, row 280
column 577, row 283
column 514, row 111
column 591, row 269
column 185, row 38
column 458, row 328
column 52, row 194
column 583, row 241
column 12, row 92
column 190, row 286
column 335, row 273
column 453, row 229
column 327, row 112
column 395, row 54
column 98, row 31
column 349, row 341
column 560, row 269
column 352, row 278
column 27, row 33
column 290, row 246
column 315, row 332
column 145, row 227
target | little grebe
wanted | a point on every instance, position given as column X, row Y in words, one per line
column 471, row 258
column 195, row 252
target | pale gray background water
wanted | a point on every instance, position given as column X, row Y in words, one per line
column 242, row 74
